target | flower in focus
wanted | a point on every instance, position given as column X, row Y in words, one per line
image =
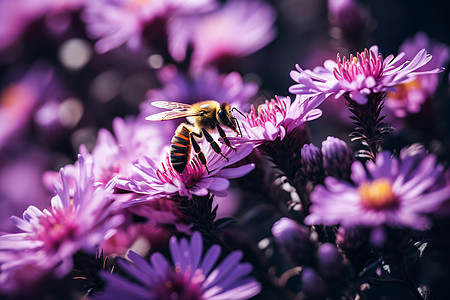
column 192, row 276
column 360, row 75
column 334, row 159
column 77, row 220
column 152, row 182
column 393, row 192
column 278, row 117
column 116, row 22
column 238, row 29
column 409, row 97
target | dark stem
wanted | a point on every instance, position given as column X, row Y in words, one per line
column 369, row 126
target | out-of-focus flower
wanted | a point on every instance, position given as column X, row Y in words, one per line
column 238, row 29
column 192, row 275
column 393, row 192
column 313, row 286
column 350, row 22
column 78, row 220
column 279, row 117
column 24, row 169
column 329, row 261
column 134, row 138
column 360, row 75
column 205, row 85
column 15, row 16
column 19, row 99
column 295, row 239
column 152, row 182
column 116, row 22
column 409, row 97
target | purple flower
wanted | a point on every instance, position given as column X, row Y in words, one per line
column 113, row 155
column 359, row 76
column 192, row 276
column 79, row 219
column 393, row 192
column 350, row 21
column 116, row 22
column 152, row 182
column 19, row 99
column 238, row 29
column 409, row 97
column 278, row 117
column 15, row 16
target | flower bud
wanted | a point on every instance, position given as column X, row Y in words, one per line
column 312, row 163
column 313, row 286
column 329, row 260
column 337, row 158
column 294, row 239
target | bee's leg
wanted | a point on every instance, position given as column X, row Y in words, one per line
column 224, row 137
column 213, row 143
column 197, row 149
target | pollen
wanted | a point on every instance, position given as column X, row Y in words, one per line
column 378, row 194
column 355, row 59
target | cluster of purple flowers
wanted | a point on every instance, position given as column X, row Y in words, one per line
column 257, row 210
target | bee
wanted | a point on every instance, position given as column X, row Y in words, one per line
column 202, row 118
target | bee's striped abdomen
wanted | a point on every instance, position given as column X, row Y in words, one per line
column 179, row 149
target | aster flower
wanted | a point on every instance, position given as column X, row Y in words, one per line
column 238, row 29
column 152, row 182
column 360, row 75
column 113, row 155
column 192, row 276
column 278, row 117
column 409, row 97
column 77, row 220
column 116, row 22
column 393, row 192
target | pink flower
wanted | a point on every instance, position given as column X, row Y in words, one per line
column 79, row 219
column 116, row 22
column 278, row 117
column 113, row 155
column 238, row 29
column 152, row 182
column 393, row 192
column 360, row 75
column 409, row 97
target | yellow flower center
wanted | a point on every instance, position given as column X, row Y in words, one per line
column 377, row 194
column 402, row 90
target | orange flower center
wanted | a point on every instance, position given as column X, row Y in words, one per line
column 377, row 194
column 402, row 90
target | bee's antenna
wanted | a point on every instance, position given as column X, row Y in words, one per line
column 234, row 108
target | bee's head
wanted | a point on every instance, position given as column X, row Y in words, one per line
column 225, row 117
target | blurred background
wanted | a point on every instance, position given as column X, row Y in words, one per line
column 59, row 85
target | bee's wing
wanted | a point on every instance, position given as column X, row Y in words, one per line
column 171, row 105
column 169, row 115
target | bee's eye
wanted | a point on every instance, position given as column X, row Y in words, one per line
column 202, row 112
column 224, row 119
